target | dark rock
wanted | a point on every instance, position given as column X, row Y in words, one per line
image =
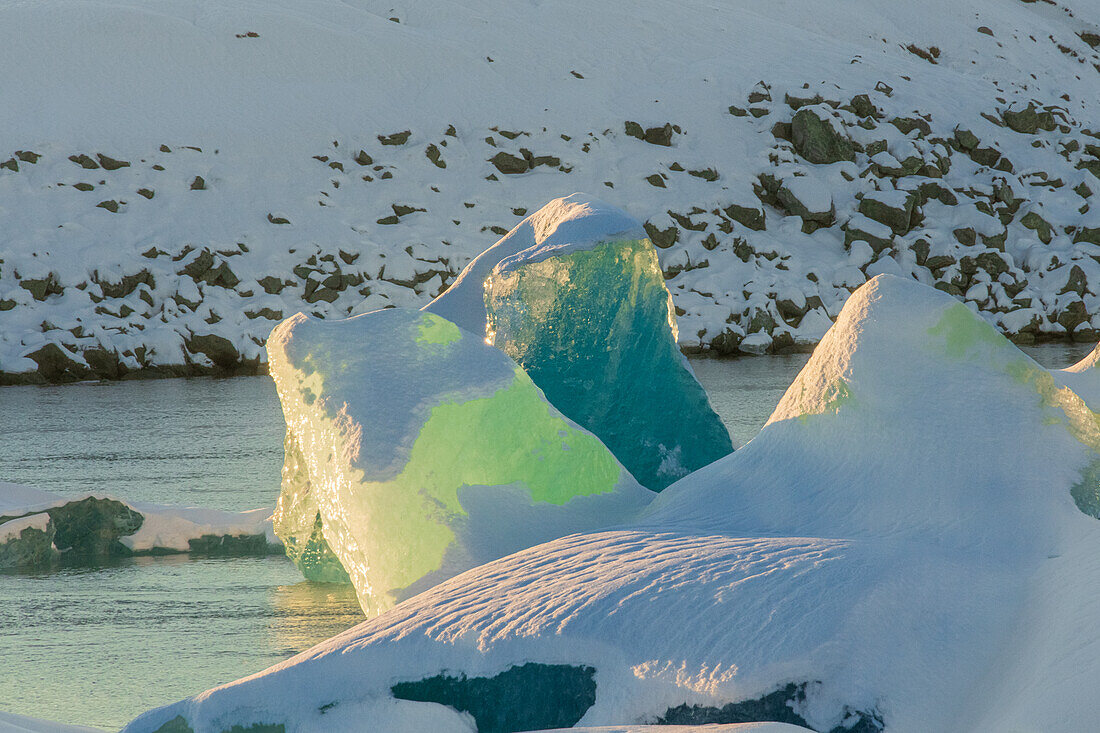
column 111, row 206
column 146, row 192
column 27, row 156
column 908, row 124
column 776, row 707
column 662, row 239
column 655, row 180
column 707, row 174
column 798, row 102
column 363, row 159
column 84, row 161
column 747, row 216
column 229, row 545
column 397, row 138
column 432, row 152
column 899, row 219
column 863, row 107
column 111, row 164
column 966, row 139
column 199, row 184
column 1073, row 315
column 1077, row 282
column 197, row 268
column 1028, row 120
column 105, row 364
column 218, row 349
column 820, row 140
column 126, row 285
column 1039, row 225
column 33, row 549
column 526, row 697
column 89, row 529
column 271, row 285
column 509, row 164
column 41, row 288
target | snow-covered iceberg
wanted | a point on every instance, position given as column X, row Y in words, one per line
column 576, row 296
column 902, row 547
column 428, row 452
column 39, row 529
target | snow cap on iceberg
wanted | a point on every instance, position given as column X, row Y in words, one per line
column 575, row 222
column 913, row 414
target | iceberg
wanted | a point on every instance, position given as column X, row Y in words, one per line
column 427, row 452
column 905, row 546
column 576, row 296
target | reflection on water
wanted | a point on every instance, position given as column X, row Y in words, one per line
column 98, row 646
column 304, row 613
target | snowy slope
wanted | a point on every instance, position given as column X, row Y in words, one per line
column 909, row 545
column 270, row 104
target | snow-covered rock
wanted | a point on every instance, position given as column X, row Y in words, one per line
column 40, row 529
column 909, row 544
column 428, row 451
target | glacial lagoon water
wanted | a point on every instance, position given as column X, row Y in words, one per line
column 97, row 646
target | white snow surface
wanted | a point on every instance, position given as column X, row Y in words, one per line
column 273, row 123
column 163, row 526
column 12, row 529
column 901, row 536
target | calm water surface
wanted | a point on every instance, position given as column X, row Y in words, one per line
column 99, row 646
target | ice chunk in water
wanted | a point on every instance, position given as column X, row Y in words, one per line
column 428, row 452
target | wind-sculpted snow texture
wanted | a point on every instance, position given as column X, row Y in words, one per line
column 428, row 452
column 907, row 545
column 576, row 296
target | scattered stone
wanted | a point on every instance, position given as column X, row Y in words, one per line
column 509, row 164
column 110, row 205
column 111, row 164
column 397, row 138
column 432, row 153
column 199, row 184
column 84, row 161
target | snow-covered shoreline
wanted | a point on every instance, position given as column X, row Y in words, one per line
column 151, row 231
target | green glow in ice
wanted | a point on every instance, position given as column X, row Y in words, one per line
column 962, row 331
column 434, row 330
column 509, row 438
column 596, row 332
